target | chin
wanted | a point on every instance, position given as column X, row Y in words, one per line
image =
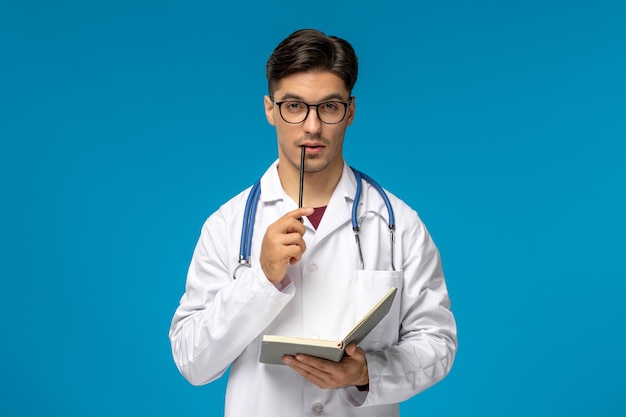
column 316, row 166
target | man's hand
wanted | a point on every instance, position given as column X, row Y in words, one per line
column 283, row 244
column 352, row 370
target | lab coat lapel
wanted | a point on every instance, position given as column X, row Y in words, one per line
column 339, row 209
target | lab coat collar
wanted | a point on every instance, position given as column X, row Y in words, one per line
column 272, row 189
column 338, row 211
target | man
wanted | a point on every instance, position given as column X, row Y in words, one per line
column 305, row 277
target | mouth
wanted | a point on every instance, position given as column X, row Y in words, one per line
column 313, row 148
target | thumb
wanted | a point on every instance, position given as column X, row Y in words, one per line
column 351, row 349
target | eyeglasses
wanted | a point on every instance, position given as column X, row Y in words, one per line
column 329, row 112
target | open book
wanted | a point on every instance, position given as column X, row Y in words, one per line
column 274, row 348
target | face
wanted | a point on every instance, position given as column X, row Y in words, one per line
column 323, row 142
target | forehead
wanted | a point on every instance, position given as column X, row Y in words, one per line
column 311, row 86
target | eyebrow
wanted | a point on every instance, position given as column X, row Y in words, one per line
column 332, row 96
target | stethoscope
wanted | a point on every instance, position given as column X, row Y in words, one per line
column 245, row 245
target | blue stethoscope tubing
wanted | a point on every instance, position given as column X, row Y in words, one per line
column 245, row 245
column 391, row 221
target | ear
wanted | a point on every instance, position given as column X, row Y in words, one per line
column 269, row 109
column 351, row 109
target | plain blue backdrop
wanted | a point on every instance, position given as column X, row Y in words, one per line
column 124, row 124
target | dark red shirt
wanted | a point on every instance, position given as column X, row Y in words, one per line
column 316, row 217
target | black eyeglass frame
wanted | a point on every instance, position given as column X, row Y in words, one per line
column 308, row 109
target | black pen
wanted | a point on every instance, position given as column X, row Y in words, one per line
column 302, row 153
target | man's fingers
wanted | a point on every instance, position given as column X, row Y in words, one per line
column 291, row 243
column 283, row 244
column 298, row 213
column 351, row 370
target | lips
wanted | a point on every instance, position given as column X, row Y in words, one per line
column 313, row 148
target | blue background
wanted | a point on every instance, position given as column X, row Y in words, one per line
column 124, row 124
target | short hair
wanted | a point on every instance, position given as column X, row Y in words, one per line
column 311, row 50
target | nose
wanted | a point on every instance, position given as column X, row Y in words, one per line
column 312, row 124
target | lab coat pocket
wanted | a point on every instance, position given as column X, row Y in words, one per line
column 369, row 287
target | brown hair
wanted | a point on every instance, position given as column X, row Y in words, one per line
column 311, row 50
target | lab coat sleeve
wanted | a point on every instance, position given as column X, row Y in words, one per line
column 218, row 316
column 427, row 340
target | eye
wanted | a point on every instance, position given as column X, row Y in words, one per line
column 294, row 106
column 330, row 106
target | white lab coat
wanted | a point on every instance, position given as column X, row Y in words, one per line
column 220, row 321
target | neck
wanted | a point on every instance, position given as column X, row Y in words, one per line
column 318, row 186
